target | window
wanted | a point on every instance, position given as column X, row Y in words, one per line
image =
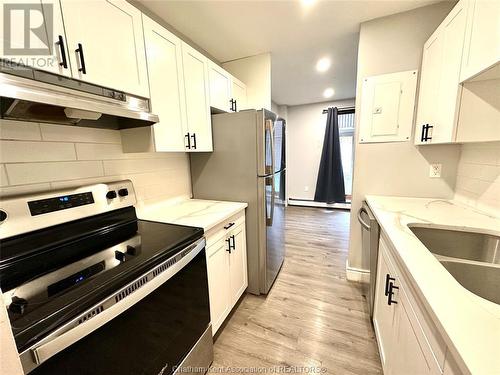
column 346, row 133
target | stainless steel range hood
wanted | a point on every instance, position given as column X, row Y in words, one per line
column 33, row 95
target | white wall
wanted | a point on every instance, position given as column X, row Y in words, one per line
column 255, row 72
column 386, row 45
column 306, row 131
column 478, row 176
column 36, row 157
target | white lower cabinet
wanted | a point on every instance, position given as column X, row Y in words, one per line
column 218, row 280
column 408, row 341
column 227, row 267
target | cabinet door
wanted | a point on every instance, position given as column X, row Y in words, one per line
column 239, row 93
column 238, row 265
column 383, row 313
column 450, row 89
column 218, row 284
column 46, row 48
column 440, row 89
column 197, row 99
column 166, row 85
column 430, row 78
column 220, row 87
column 482, row 38
column 412, row 355
column 111, row 37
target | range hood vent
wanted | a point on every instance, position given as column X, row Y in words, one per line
column 32, row 95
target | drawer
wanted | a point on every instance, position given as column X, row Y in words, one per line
column 223, row 229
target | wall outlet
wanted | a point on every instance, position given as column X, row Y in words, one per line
column 435, row 170
column 306, row 188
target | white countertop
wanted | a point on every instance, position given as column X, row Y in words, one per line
column 205, row 214
column 469, row 324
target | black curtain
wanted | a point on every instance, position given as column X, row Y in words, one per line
column 330, row 185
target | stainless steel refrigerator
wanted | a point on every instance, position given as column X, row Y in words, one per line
column 248, row 165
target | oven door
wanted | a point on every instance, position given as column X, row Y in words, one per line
column 148, row 327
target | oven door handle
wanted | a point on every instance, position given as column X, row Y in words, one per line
column 62, row 338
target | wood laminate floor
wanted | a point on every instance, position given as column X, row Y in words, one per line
column 312, row 317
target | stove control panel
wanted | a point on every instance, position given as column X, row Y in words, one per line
column 63, row 202
column 25, row 213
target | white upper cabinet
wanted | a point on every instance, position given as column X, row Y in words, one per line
column 482, row 39
column 440, row 90
column 238, row 95
column 220, row 87
column 106, row 44
column 166, row 86
column 195, row 69
column 49, row 49
column 227, row 93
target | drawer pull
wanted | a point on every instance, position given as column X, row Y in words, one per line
column 390, row 301
column 388, row 279
column 228, row 226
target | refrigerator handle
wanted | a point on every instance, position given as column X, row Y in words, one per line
column 269, row 128
column 270, row 218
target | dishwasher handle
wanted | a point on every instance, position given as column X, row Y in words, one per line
column 360, row 219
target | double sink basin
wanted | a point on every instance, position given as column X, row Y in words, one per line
column 473, row 259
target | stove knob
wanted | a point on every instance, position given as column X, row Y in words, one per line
column 123, row 192
column 111, row 194
column 3, row 215
column 120, row 256
column 18, row 305
column 131, row 250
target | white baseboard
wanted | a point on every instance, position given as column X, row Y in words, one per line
column 305, row 203
column 357, row 274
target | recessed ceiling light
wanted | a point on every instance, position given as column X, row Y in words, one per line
column 328, row 93
column 307, row 3
column 323, row 64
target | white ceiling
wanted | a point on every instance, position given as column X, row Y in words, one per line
column 296, row 35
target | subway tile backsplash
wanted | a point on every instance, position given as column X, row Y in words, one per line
column 478, row 176
column 36, row 157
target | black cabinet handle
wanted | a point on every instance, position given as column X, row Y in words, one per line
column 390, row 301
column 427, row 138
column 188, row 146
column 64, row 62
column 423, row 132
column 232, row 104
column 228, row 226
column 388, row 279
column 235, row 105
column 234, row 242
column 79, row 50
column 194, row 140
column 228, row 240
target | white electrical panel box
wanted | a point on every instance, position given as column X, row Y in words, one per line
column 387, row 107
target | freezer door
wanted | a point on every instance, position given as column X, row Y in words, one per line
column 274, row 229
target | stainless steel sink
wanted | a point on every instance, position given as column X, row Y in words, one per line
column 478, row 247
column 482, row 280
column 473, row 259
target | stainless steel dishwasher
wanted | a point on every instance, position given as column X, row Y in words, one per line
column 370, row 233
